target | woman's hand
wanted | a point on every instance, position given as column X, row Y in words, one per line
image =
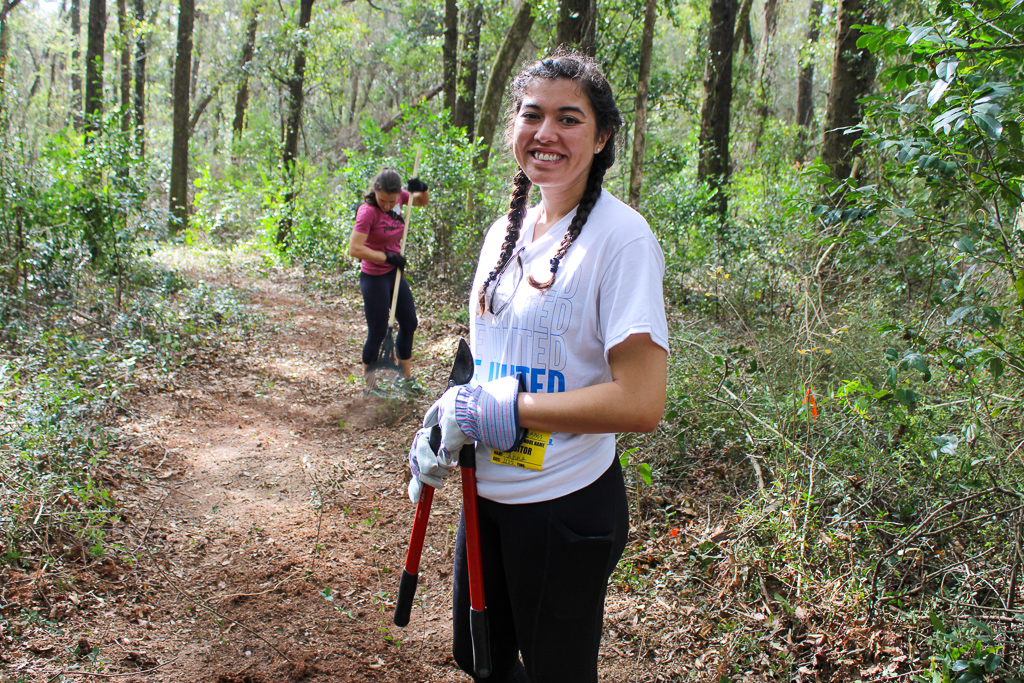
column 418, row 191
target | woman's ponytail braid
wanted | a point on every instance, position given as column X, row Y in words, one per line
column 516, row 214
column 591, row 193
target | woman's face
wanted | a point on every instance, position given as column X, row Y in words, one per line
column 555, row 137
column 386, row 200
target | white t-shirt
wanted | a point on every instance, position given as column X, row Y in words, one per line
column 608, row 287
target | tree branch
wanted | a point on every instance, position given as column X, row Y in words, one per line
column 975, row 50
column 7, row 7
column 425, row 97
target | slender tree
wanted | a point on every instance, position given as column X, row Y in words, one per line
column 465, row 101
column 501, row 70
column 139, row 92
column 713, row 165
column 354, row 99
column 76, row 54
column 805, row 82
column 179, row 206
column 37, row 71
column 293, row 123
column 765, row 71
column 124, row 48
column 449, row 54
column 198, row 34
column 577, row 24
column 805, row 85
column 5, row 10
column 94, row 67
column 50, row 91
column 248, row 49
column 744, row 36
column 636, row 166
column 853, row 75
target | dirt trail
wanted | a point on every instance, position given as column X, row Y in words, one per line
column 269, row 521
column 284, row 519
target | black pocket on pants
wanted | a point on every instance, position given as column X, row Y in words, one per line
column 576, row 573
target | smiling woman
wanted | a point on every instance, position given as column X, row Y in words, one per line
column 570, row 342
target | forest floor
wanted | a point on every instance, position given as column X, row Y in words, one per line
column 268, row 516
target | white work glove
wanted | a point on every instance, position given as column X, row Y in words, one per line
column 427, row 467
column 487, row 413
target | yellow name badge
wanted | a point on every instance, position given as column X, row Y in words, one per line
column 529, row 454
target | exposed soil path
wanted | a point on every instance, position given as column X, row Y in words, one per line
column 285, row 519
column 272, row 523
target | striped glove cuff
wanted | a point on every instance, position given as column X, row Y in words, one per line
column 489, row 413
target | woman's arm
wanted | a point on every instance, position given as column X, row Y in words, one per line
column 357, row 249
column 633, row 401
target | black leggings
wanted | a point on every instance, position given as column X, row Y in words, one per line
column 546, row 568
column 377, row 292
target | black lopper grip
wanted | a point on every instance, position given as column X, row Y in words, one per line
column 481, row 636
column 406, row 592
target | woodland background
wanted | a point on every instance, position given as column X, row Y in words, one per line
column 836, row 185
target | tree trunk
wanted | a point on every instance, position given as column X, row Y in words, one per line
column 354, row 101
column 197, row 53
column 501, row 70
column 37, row 69
column 465, row 102
column 293, row 123
column 765, row 71
column 449, row 54
column 242, row 97
column 76, row 75
column 805, row 86
column 179, row 144
column 368, row 86
column 636, row 166
column 139, row 94
column 5, row 10
column 126, row 68
column 805, row 83
column 51, row 90
column 577, row 24
column 713, row 163
column 743, row 35
column 853, row 75
column 94, row 67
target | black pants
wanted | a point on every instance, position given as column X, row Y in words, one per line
column 377, row 292
column 546, row 568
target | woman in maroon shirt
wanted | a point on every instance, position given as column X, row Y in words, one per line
column 377, row 241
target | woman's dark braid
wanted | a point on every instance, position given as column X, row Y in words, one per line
column 591, row 193
column 516, row 214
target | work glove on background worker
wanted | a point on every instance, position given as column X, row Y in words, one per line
column 487, row 413
column 395, row 259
